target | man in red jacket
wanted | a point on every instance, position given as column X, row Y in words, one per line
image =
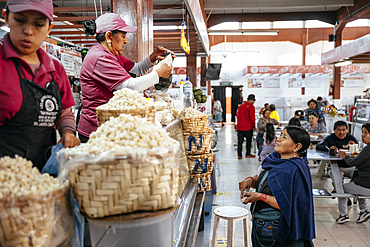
column 245, row 125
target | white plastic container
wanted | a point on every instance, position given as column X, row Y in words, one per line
column 153, row 231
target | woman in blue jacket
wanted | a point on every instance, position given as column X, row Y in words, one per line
column 283, row 192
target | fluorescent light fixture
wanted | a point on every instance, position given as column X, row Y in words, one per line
column 55, row 16
column 81, row 29
column 172, row 27
column 68, row 23
column 343, row 63
column 244, row 32
column 5, row 28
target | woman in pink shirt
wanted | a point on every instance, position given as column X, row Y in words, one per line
column 105, row 70
column 35, row 94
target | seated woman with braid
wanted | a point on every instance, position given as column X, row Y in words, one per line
column 282, row 206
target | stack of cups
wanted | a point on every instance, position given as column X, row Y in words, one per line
column 353, row 148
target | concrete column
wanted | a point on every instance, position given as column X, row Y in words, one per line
column 336, row 71
column 191, row 59
column 137, row 13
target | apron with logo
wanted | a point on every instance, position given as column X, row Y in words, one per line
column 30, row 132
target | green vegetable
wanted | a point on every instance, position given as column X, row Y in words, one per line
column 198, row 92
column 204, row 98
column 198, row 99
column 194, row 88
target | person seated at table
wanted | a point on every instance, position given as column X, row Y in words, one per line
column 283, row 193
column 269, row 140
column 261, row 126
column 266, row 107
column 340, row 139
column 314, row 127
column 360, row 183
column 312, row 107
column 274, row 114
column 299, row 114
column 294, row 121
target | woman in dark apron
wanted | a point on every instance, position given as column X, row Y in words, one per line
column 35, row 93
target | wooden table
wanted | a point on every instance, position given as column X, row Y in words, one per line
column 325, row 157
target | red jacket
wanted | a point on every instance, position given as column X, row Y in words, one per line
column 246, row 117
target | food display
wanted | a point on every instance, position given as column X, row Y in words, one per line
column 126, row 101
column 199, row 96
column 193, row 120
column 127, row 165
column 127, row 131
column 35, row 208
column 197, row 140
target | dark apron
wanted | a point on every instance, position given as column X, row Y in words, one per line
column 30, row 132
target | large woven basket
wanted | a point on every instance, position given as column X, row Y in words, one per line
column 196, row 124
column 147, row 112
column 203, row 180
column 39, row 220
column 122, row 184
column 198, row 142
column 200, row 163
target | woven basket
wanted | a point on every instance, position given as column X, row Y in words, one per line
column 37, row 220
column 126, row 183
column 200, row 163
column 197, row 124
column 198, row 142
column 203, row 180
column 145, row 112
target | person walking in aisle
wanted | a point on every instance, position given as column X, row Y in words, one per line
column 245, row 125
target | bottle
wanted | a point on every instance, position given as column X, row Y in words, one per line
column 181, row 95
column 188, row 93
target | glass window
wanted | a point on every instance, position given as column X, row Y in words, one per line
column 256, row 25
column 288, row 24
column 358, row 23
column 317, row 24
column 225, row 26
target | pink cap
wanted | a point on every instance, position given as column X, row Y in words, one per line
column 43, row 6
column 110, row 22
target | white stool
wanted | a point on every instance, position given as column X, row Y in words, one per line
column 231, row 214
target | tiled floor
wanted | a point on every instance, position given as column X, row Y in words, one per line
column 232, row 170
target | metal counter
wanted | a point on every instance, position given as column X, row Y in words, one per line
column 183, row 214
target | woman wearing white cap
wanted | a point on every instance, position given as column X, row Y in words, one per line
column 35, row 94
column 105, row 69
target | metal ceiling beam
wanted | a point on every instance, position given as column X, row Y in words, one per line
column 76, row 38
column 325, row 16
column 166, row 17
column 76, row 9
column 167, row 6
column 75, row 18
column 67, row 26
column 65, row 32
column 258, row 4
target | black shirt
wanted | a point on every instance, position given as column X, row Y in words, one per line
column 333, row 140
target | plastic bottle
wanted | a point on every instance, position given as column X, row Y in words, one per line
column 181, row 95
column 188, row 93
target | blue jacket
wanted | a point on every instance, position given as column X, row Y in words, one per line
column 291, row 184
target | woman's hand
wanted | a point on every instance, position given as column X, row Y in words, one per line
column 247, row 183
column 342, row 154
column 164, row 71
column 157, row 54
column 69, row 139
column 251, row 197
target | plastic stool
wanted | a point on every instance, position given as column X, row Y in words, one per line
column 231, row 214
